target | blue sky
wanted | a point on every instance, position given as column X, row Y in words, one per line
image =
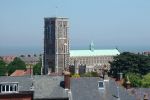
column 108, row 23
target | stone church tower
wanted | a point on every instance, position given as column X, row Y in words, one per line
column 56, row 45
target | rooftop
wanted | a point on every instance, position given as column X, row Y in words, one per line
column 106, row 52
column 83, row 88
column 48, row 87
column 28, row 71
column 44, row 87
column 86, row 88
column 29, row 59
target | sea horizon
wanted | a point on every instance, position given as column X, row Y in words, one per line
column 17, row 51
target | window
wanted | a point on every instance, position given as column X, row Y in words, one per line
column 8, row 87
column 101, row 85
column 15, row 88
column 11, row 88
column 3, row 87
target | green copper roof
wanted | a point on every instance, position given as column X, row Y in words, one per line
column 107, row 52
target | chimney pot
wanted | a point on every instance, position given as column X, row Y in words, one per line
column 67, row 79
column 145, row 97
column 128, row 84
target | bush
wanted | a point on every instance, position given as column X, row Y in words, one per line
column 75, row 75
column 135, row 79
column 139, row 81
column 146, row 81
column 90, row 74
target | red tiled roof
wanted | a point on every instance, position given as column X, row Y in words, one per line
column 18, row 73
column 22, row 72
column 8, row 59
column 29, row 71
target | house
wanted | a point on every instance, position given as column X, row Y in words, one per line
column 94, row 88
column 140, row 93
column 30, row 61
column 8, row 59
column 28, row 71
column 32, row 88
column 16, row 88
column 45, row 87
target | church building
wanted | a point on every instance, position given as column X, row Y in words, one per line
column 58, row 56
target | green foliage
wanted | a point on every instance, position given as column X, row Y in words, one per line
column 128, row 62
column 90, row 74
column 135, row 79
column 135, row 66
column 16, row 65
column 75, row 75
column 146, row 81
column 139, row 81
column 3, row 68
column 37, row 68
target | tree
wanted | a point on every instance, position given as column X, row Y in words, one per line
column 146, row 81
column 37, row 68
column 29, row 55
column 22, row 55
column 3, row 68
column 128, row 62
column 35, row 55
column 16, row 65
column 139, row 81
column 135, row 79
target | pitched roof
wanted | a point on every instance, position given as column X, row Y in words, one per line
column 18, row 73
column 29, row 59
column 86, row 88
column 25, row 82
column 28, row 71
column 48, row 87
column 107, row 52
column 140, row 92
column 45, row 87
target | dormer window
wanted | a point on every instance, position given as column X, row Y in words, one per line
column 101, row 85
column 8, row 87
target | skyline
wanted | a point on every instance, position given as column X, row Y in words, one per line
column 122, row 24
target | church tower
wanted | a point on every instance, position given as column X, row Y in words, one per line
column 56, row 44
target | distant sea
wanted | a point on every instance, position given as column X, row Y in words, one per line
column 17, row 51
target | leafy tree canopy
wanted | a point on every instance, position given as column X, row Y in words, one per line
column 128, row 62
column 3, row 68
column 37, row 68
column 15, row 65
column 139, row 81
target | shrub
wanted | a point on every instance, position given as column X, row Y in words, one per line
column 135, row 79
column 146, row 81
column 75, row 75
column 90, row 74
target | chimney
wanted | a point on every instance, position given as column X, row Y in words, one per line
column 76, row 66
column 67, row 79
column 120, row 76
column 145, row 97
column 128, row 83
